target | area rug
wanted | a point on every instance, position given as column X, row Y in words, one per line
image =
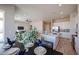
column 50, row 51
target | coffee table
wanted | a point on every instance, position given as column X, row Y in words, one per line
column 40, row 50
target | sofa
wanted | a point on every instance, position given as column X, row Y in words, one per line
column 45, row 43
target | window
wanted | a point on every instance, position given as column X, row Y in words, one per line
column 1, row 26
column 1, row 30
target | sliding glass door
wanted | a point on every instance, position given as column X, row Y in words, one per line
column 1, row 30
column 1, row 26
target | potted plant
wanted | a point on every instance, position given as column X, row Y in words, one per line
column 27, row 37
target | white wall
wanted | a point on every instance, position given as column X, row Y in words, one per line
column 24, row 24
column 38, row 24
column 78, row 20
column 77, row 39
column 9, row 25
column 73, row 22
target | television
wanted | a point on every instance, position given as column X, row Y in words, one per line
column 20, row 28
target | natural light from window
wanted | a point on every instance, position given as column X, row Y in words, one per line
column 1, row 26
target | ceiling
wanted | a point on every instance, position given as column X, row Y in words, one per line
column 43, row 11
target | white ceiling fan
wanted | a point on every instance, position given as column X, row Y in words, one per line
column 28, row 21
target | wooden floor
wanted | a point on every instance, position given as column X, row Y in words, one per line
column 65, row 47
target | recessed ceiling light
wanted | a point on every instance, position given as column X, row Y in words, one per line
column 60, row 5
column 61, row 12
